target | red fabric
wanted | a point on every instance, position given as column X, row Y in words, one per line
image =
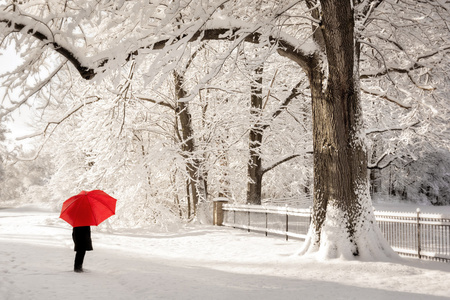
column 88, row 208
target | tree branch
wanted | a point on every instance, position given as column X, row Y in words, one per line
column 70, row 113
column 294, row 93
column 377, row 164
column 35, row 89
column 414, row 65
column 162, row 103
column 88, row 70
column 391, row 129
column 365, row 8
column 264, row 170
column 39, row 30
column 220, row 89
column 382, row 58
column 385, row 97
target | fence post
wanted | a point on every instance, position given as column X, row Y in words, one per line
column 266, row 220
column 310, row 215
column 248, row 212
column 218, row 210
column 287, row 223
column 418, row 233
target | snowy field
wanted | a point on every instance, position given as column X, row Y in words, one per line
column 197, row 262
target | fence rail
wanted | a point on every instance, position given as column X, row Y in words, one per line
column 290, row 222
column 425, row 236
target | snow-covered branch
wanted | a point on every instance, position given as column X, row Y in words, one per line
column 62, row 119
column 219, row 30
column 385, row 96
column 377, row 130
column 364, row 9
column 378, row 165
column 35, row 89
column 294, row 93
column 414, row 65
column 159, row 102
column 32, row 26
column 56, row 123
column 212, row 30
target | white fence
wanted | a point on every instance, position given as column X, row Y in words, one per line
column 277, row 220
column 417, row 234
column 426, row 236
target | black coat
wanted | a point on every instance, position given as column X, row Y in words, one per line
column 82, row 238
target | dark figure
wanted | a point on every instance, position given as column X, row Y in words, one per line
column 82, row 238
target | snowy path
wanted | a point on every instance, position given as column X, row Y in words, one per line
column 201, row 262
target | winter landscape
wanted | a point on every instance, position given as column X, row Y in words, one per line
column 194, row 262
column 131, row 120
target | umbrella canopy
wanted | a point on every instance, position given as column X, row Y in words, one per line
column 88, row 208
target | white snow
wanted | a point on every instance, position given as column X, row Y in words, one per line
column 197, row 262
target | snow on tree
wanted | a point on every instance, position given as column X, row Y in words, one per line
column 341, row 46
column 405, row 90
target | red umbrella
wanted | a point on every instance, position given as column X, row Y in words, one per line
column 88, row 208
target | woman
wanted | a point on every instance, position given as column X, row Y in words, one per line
column 82, row 238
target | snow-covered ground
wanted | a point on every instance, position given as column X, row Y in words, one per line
column 197, row 262
column 405, row 206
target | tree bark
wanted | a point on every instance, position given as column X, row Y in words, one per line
column 342, row 207
column 254, row 166
column 187, row 147
column 187, row 142
column 338, row 155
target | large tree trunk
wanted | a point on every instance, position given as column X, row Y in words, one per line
column 343, row 222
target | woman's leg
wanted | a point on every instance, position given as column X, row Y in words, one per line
column 79, row 257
